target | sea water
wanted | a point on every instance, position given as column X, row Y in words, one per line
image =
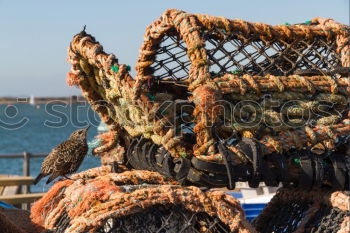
column 38, row 129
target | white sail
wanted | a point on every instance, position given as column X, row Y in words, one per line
column 32, row 100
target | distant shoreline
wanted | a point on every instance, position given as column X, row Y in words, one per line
column 41, row 100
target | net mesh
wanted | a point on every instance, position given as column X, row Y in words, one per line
column 233, row 53
column 300, row 211
column 171, row 219
column 326, row 220
column 171, row 61
column 256, row 57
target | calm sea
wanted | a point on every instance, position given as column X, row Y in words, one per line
column 39, row 128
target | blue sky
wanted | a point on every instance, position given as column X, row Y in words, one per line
column 35, row 34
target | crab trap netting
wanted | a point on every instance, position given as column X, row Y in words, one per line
column 174, row 219
column 313, row 211
column 216, row 101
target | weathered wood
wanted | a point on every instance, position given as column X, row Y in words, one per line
column 16, row 180
column 21, row 198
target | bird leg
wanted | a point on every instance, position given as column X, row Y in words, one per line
column 65, row 176
column 118, row 168
column 115, row 167
column 82, row 178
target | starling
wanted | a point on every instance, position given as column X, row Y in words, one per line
column 65, row 158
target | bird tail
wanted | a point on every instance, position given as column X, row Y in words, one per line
column 38, row 178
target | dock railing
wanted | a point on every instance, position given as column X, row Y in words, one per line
column 25, row 197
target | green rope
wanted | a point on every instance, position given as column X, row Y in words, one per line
column 236, row 72
column 115, row 68
column 150, row 96
column 297, row 161
column 183, row 154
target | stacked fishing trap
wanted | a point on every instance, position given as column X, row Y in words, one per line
column 218, row 101
column 237, row 100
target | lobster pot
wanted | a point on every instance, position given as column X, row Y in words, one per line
column 305, row 211
column 271, row 83
column 98, row 200
column 217, row 101
column 136, row 201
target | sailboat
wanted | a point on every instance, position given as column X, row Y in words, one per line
column 32, row 100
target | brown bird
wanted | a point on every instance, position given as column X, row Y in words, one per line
column 65, row 158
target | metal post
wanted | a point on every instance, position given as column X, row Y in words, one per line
column 26, row 164
column 26, row 172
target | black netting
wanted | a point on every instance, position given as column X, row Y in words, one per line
column 326, row 220
column 164, row 220
column 252, row 56
column 171, row 59
column 255, row 57
column 286, row 218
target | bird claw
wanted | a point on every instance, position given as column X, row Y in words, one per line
column 83, row 181
column 67, row 178
column 117, row 168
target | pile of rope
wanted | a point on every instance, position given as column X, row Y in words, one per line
column 96, row 198
column 214, row 94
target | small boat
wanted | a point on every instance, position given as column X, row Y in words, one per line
column 32, row 100
column 253, row 201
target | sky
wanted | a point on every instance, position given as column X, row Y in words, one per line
column 35, row 34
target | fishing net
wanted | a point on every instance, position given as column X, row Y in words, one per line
column 313, row 211
column 165, row 219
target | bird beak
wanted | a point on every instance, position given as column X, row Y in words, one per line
column 87, row 128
